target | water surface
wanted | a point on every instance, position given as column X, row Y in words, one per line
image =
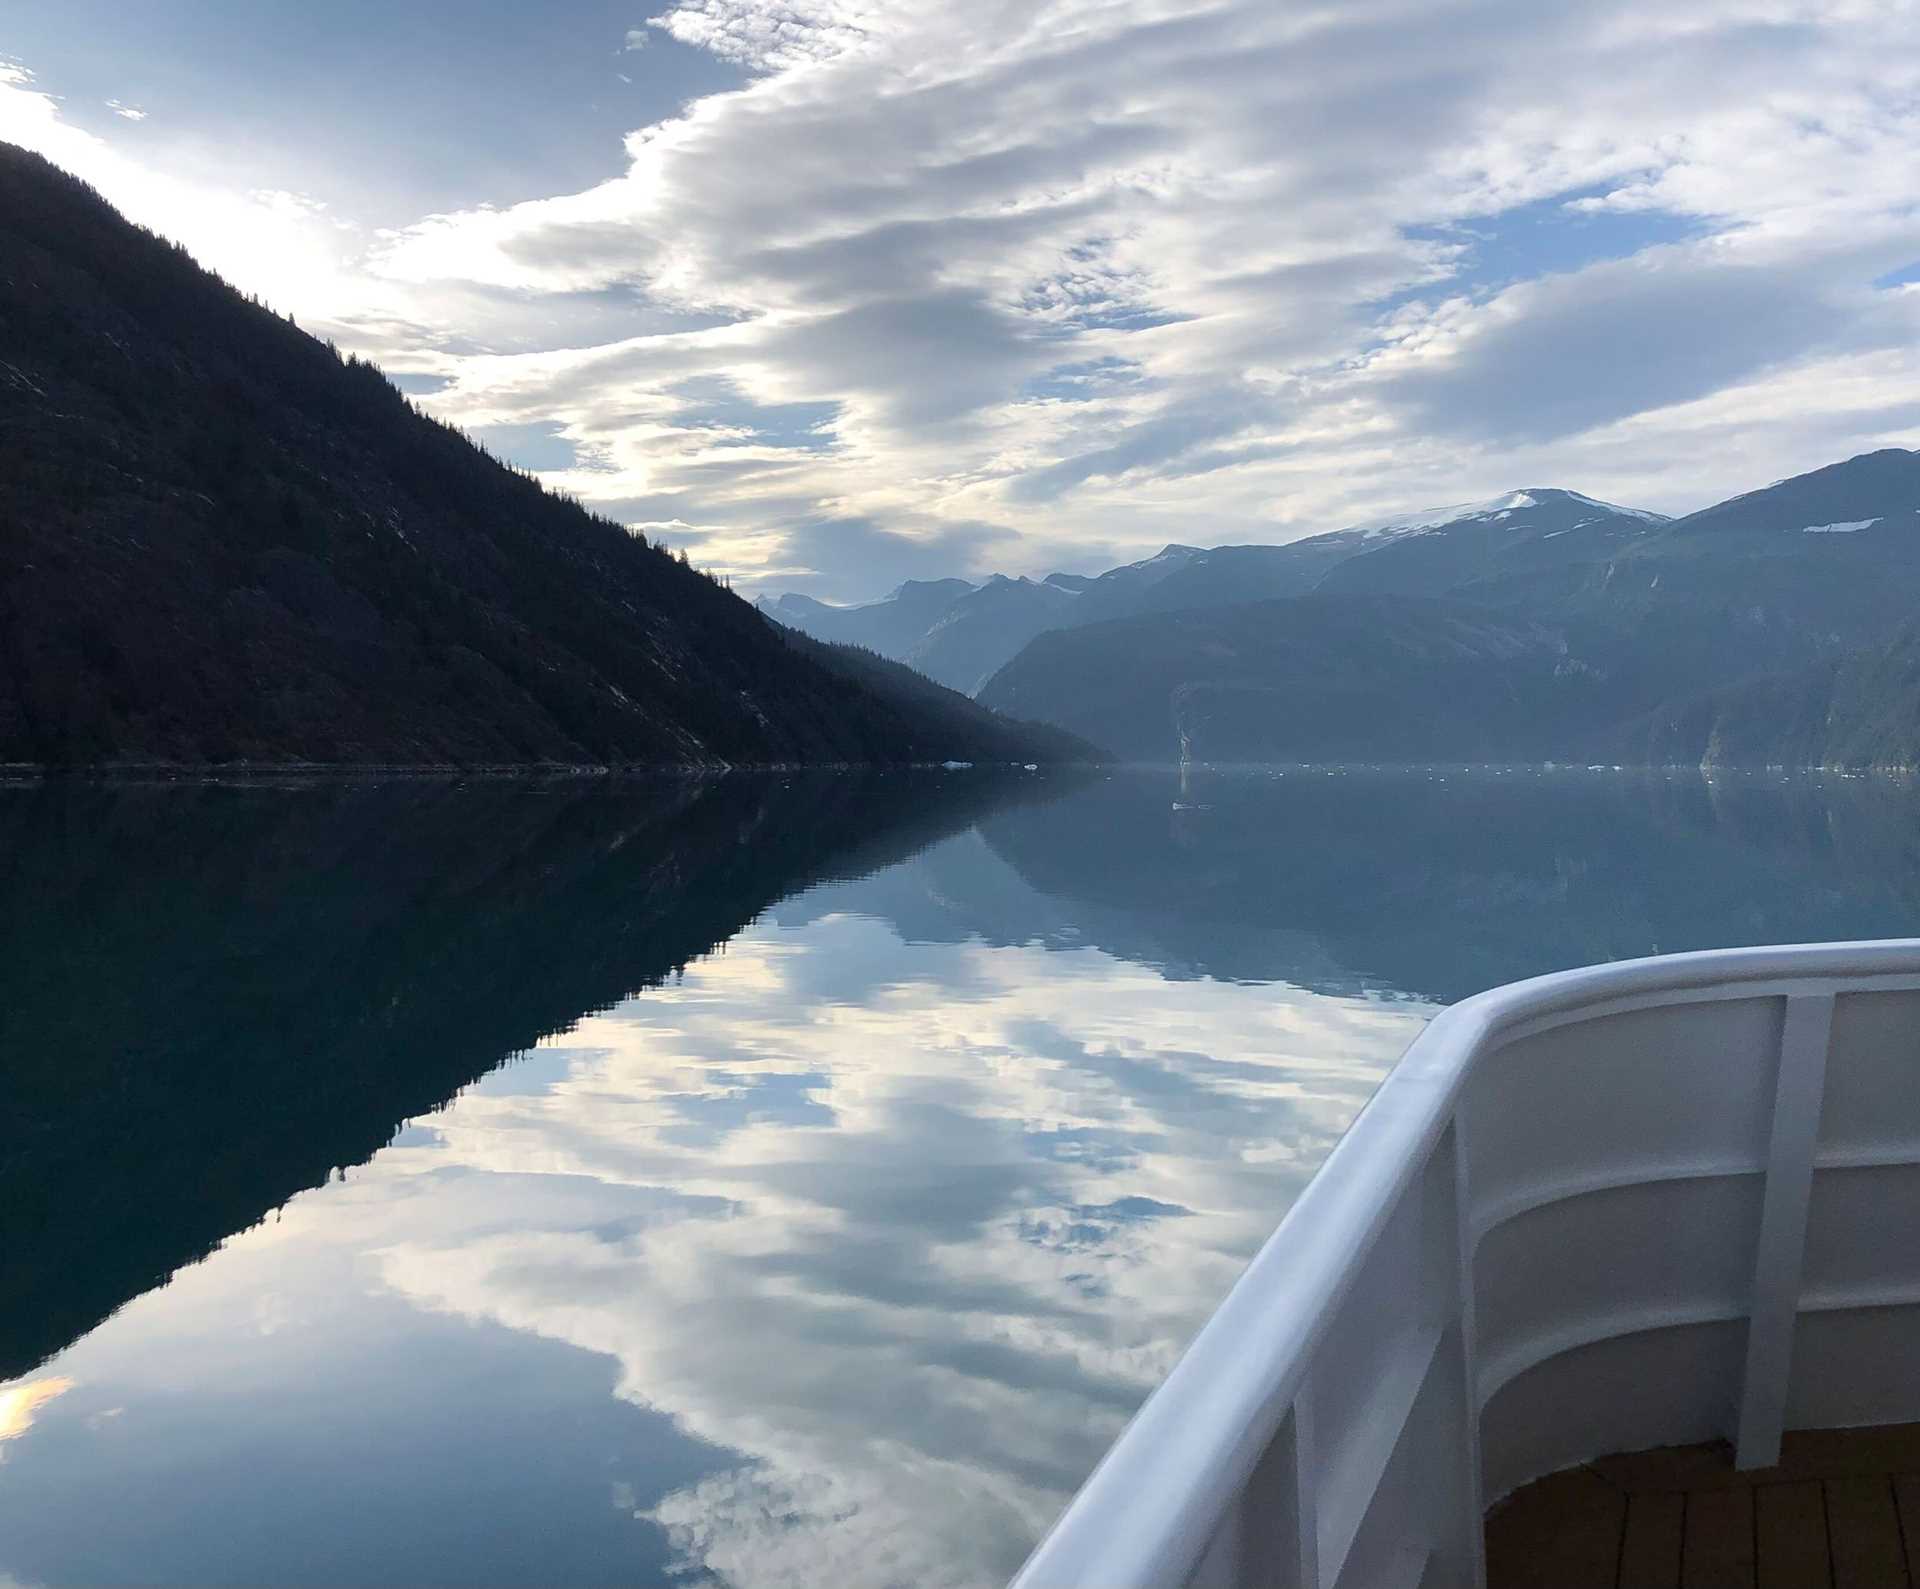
column 778, row 1182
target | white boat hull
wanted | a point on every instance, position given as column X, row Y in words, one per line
column 1656, row 1202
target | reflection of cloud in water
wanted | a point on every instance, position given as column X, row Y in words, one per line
column 20, row 1401
column 916, row 1257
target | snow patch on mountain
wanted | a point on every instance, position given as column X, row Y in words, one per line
column 1440, row 518
column 1172, row 554
column 1646, row 515
column 1845, row 528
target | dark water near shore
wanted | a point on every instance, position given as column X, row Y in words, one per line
column 764, row 1183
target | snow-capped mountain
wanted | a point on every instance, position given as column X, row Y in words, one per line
column 1877, row 492
column 1773, row 629
column 960, row 633
column 1427, row 554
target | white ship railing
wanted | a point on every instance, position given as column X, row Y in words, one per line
column 1656, row 1202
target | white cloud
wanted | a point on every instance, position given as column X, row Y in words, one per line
column 1077, row 278
column 768, row 35
column 126, row 112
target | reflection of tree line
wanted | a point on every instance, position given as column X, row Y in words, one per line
column 214, row 996
column 1403, row 882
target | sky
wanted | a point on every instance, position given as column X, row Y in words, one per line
column 835, row 294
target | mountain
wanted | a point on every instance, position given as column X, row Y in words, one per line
column 1310, row 678
column 985, row 626
column 223, row 543
column 1876, row 491
column 1568, row 629
column 890, row 626
column 952, row 630
column 961, row 636
column 945, row 716
column 1523, row 532
column 1826, row 561
column 1861, row 712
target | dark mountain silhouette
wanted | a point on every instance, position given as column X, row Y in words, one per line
column 221, row 542
column 218, row 994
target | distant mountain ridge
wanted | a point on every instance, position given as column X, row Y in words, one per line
column 1774, row 629
column 223, row 544
column 961, row 633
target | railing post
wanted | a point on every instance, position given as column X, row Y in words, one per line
column 1277, row 1530
column 1304, row 1555
column 1780, row 1253
column 1473, row 1496
column 1447, row 1308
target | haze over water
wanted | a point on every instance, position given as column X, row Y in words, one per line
column 773, row 1182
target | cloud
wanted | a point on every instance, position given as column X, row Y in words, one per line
column 126, row 112
column 1096, row 276
column 771, row 34
column 1567, row 354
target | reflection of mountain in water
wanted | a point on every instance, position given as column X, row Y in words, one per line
column 1440, row 885
column 215, row 996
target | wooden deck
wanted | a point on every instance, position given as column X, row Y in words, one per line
column 1841, row 1511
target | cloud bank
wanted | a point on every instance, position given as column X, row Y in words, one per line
column 1057, row 283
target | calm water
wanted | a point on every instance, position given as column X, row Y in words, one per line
column 759, row 1184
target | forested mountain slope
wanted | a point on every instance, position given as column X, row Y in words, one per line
column 220, row 542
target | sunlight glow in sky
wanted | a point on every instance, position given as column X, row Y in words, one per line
column 837, row 293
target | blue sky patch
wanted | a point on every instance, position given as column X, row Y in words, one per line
column 1545, row 238
column 537, row 446
column 368, row 104
column 419, row 385
column 716, row 402
column 1076, row 383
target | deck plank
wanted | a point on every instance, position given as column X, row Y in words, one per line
column 1561, row 1532
column 1841, row 1510
column 1718, row 1549
column 1865, row 1530
column 1650, row 1553
column 1906, row 1496
column 1790, row 1535
column 1672, row 1468
column 1842, row 1453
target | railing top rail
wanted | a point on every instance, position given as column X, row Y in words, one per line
column 1148, row 1510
